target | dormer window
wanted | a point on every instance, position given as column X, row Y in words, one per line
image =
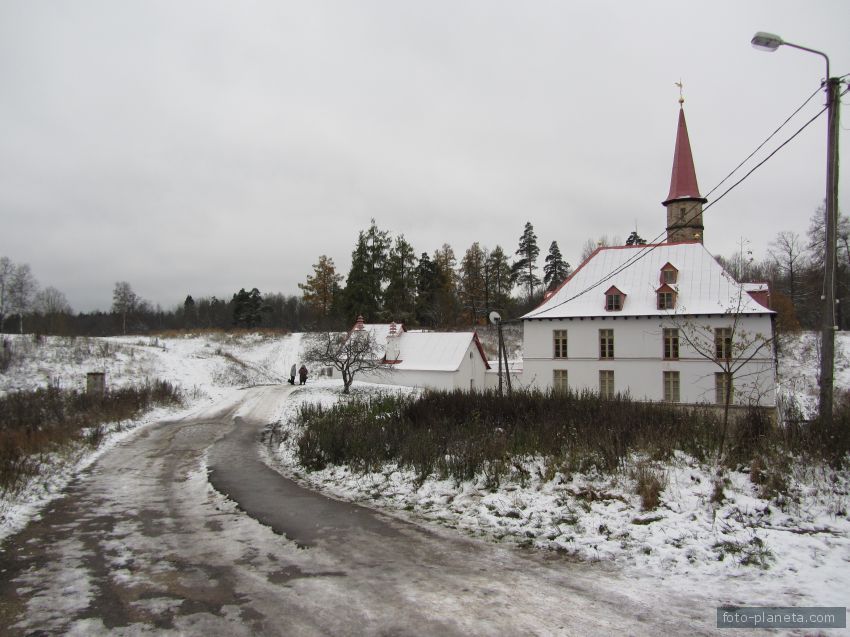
column 666, row 297
column 614, row 300
column 669, row 274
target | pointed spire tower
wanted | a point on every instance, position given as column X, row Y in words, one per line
column 683, row 203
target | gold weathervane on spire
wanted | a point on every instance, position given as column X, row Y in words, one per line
column 681, row 88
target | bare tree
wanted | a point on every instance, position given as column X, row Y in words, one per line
column 731, row 347
column 124, row 302
column 349, row 353
column 7, row 269
column 52, row 304
column 788, row 254
column 590, row 246
column 22, row 289
column 51, row 301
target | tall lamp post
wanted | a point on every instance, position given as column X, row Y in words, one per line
column 771, row 42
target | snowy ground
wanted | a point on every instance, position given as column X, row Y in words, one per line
column 745, row 549
column 207, row 369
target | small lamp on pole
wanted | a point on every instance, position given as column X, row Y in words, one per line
column 770, row 42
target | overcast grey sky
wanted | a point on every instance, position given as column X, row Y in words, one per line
column 197, row 147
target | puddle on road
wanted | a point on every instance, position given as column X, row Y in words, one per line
column 290, row 573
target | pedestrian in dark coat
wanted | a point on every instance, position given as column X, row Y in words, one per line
column 302, row 374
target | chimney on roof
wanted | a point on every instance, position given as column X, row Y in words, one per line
column 393, row 350
column 684, row 203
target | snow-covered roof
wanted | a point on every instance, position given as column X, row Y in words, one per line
column 380, row 331
column 431, row 351
column 702, row 286
column 436, row 351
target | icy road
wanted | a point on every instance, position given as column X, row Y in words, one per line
column 181, row 529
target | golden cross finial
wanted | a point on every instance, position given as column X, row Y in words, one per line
column 681, row 87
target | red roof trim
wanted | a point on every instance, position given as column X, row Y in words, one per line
column 665, row 287
column 480, row 349
column 600, row 249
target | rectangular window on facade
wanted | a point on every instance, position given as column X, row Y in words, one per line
column 560, row 343
column 559, row 380
column 723, row 384
column 613, row 302
column 666, row 300
column 671, row 387
column 671, row 343
column 606, row 383
column 723, row 343
column 668, row 276
column 606, row 343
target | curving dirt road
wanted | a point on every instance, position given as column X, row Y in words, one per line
column 143, row 544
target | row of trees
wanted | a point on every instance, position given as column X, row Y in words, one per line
column 794, row 268
column 387, row 281
column 24, row 305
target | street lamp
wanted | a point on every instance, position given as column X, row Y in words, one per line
column 770, row 42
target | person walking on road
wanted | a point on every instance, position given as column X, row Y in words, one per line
column 302, row 374
column 292, row 375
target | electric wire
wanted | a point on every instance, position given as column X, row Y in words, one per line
column 652, row 245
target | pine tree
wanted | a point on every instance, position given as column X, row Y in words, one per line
column 499, row 280
column 635, row 239
column 555, row 270
column 248, row 308
column 190, row 312
column 523, row 269
column 426, row 291
column 472, row 287
column 399, row 297
column 364, row 286
column 447, row 306
column 322, row 288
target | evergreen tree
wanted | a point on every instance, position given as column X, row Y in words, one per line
column 190, row 312
column 447, row 306
column 523, row 269
column 364, row 286
column 555, row 269
column 635, row 239
column 427, row 282
column 499, row 281
column 400, row 295
column 472, row 287
column 248, row 308
column 322, row 288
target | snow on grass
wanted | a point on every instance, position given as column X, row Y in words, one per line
column 206, row 369
column 712, row 529
column 729, row 540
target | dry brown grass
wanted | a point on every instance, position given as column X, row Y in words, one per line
column 35, row 425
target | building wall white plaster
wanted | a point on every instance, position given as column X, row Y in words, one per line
column 638, row 363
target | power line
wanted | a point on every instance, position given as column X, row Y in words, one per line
column 653, row 245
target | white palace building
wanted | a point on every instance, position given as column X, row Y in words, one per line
column 662, row 322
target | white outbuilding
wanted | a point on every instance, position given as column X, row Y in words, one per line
column 432, row 360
